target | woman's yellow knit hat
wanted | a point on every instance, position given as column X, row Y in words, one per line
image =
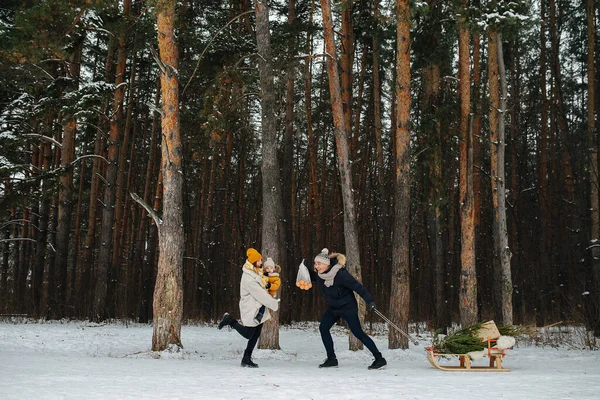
column 253, row 255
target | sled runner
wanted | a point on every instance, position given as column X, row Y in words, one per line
column 488, row 333
column 465, row 361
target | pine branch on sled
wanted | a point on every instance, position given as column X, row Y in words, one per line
column 474, row 342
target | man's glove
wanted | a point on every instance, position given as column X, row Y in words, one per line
column 268, row 286
column 372, row 306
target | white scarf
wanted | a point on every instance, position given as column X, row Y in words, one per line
column 329, row 276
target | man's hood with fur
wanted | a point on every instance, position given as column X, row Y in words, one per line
column 341, row 258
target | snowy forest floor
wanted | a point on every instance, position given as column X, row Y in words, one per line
column 81, row 360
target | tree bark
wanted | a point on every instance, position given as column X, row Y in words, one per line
column 168, row 292
column 382, row 205
column 342, row 152
column 593, row 167
column 100, row 306
column 544, row 226
column 468, row 275
column 84, row 267
column 4, row 267
column 288, row 144
column 65, row 194
column 346, row 60
column 139, row 264
column 400, row 292
column 516, row 243
column 49, row 279
column 272, row 228
column 493, row 121
column 121, row 188
column 506, row 316
column 42, row 236
column 313, row 215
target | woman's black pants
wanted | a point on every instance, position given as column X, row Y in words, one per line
column 252, row 333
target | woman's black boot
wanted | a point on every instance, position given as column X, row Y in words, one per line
column 247, row 361
column 226, row 320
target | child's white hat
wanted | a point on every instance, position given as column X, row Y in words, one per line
column 270, row 262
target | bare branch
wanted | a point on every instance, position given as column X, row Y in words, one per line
column 155, row 109
column 17, row 239
column 17, row 221
column 161, row 66
column 44, row 138
column 148, row 209
column 88, row 156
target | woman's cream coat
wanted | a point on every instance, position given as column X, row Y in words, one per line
column 252, row 296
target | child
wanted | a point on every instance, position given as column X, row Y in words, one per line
column 271, row 272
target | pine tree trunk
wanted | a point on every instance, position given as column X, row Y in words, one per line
column 83, row 284
column 288, row 146
column 272, row 229
column 313, row 199
column 468, row 275
column 168, row 292
column 342, row 152
column 4, row 265
column 125, row 260
column 100, row 310
column 49, row 279
column 121, row 189
column 433, row 190
column 346, row 60
column 72, row 300
column 289, row 179
column 42, row 236
column 593, row 168
column 572, row 239
column 476, row 133
column 544, row 226
column 355, row 132
column 400, row 292
column 148, row 278
column 139, row 264
column 382, row 206
column 65, row 193
column 506, row 316
column 494, row 108
column 514, row 216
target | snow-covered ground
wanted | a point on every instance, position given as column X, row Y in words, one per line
column 79, row 360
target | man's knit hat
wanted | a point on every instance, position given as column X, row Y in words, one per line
column 269, row 263
column 253, row 255
column 323, row 257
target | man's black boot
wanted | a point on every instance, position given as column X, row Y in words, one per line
column 329, row 362
column 379, row 362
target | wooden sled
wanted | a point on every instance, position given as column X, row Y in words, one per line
column 489, row 332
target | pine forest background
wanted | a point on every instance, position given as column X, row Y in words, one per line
column 80, row 132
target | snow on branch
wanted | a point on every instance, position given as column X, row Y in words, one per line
column 45, row 138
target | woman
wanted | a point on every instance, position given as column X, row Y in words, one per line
column 253, row 295
column 338, row 286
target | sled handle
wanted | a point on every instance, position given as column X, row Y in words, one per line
column 406, row 335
